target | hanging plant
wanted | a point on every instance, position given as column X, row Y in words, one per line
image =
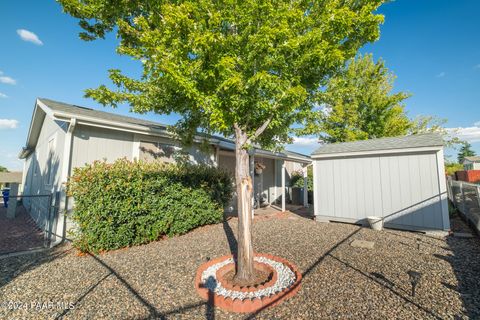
column 259, row 167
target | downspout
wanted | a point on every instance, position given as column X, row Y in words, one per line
column 66, row 167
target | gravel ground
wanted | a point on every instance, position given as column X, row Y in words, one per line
column 342, row 282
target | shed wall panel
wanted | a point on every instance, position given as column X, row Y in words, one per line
column 401, row 188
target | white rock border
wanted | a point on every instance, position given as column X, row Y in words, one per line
column 285, row 278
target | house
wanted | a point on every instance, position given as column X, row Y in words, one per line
column 400, row 180
column 471, row 163
column 64, row 136
column 6, row 178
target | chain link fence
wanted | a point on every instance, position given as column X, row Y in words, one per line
column 42, row 208
column 466, row 199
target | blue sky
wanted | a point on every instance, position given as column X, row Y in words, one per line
column 433, row 46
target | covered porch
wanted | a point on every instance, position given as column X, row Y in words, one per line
column 271, row 174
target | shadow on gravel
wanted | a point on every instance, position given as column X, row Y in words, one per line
column 232, row 241
column 12, row 267
column 384, row 282
column 465, row 262
column 306, row 273
column 153, row 312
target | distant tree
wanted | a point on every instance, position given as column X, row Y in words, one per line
column 245, row 69
column 452, row 167
column 358, row 104
column 465, row 151
column 3, row 169
column 429, row 124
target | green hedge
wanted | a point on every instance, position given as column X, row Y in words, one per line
column 130, row 203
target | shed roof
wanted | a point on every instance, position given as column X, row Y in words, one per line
column 11, row 177
column 405, row 142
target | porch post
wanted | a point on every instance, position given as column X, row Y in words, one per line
column 283, row 186
column 252, row 175
column 305, row 186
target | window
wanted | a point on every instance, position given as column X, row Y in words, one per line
column 155, row 151
column 50, row 172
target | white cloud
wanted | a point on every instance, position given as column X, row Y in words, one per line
column 3, row 95
column 7, row 80
column 8, row 123
column 441, row 74
column 470, row 134
column 29, row 36
column 305, row 141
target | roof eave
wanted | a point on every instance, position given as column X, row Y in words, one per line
column 376, row 152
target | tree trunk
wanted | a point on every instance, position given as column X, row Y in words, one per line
column 243, row 180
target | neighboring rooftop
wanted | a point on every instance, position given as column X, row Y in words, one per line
column 412, row 141
column 473, row 159
column 11, row 177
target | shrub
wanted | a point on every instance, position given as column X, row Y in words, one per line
column 130, row 203
column 296, row 179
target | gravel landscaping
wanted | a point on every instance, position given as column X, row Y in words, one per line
column 340, row 281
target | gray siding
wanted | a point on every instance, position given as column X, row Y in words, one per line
column 194, row 154
column 92, row 143
column 44, row 164
column 402, row 188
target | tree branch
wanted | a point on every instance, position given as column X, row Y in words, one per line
column 262, row 128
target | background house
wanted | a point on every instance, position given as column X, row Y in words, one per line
column 471, row 163
column 63, row 136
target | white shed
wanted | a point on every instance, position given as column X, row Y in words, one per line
column 400, row 179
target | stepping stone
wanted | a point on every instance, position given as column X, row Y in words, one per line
column 362, row 244
column 464, row 235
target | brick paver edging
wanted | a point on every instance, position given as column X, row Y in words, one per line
column 248, row 305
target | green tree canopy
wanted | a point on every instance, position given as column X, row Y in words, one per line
column 3, row 169
column 358, row 104
column 248, row 69
column 465, row 151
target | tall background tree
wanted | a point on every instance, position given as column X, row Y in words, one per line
column 358, row 104
column 465, row 151
column 244, row 69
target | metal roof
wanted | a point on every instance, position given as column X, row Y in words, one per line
column 405, row 142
